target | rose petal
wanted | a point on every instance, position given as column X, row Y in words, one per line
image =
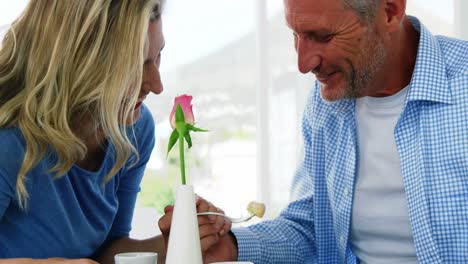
column 185, row 102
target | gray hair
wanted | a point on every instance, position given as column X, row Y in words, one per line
column 365, row 9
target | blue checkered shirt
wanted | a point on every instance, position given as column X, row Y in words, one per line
column 432, row 142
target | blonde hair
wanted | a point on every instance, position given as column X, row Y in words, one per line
column 62, row 61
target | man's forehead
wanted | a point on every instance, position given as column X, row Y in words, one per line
column 313, row 12
column 313, row 6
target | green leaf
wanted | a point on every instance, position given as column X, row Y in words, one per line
column 196, row 129
column 179, row 114
column 172, row 140
column 188, row 139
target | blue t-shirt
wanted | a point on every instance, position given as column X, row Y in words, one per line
column 74, row 215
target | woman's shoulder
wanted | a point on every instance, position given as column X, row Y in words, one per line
column 11, row 151
column 12, row 142
column 146, row 120
column 144, row 127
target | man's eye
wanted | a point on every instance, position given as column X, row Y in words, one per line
column 325, row 38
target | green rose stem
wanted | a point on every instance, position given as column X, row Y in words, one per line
column 181, row 129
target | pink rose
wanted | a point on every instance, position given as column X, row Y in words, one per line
column 182, row 122
column 185, row 102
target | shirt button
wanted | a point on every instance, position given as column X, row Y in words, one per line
column 346, row 192
column 342, row 239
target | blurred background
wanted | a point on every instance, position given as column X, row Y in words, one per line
column 236, row 58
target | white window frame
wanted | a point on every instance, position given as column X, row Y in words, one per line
column 263, row 104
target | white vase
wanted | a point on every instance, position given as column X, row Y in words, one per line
column 184, row 239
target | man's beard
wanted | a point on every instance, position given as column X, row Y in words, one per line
column 373, row 56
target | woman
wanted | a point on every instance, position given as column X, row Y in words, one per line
column 75, row 135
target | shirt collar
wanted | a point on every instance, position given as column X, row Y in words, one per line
column 429, row 81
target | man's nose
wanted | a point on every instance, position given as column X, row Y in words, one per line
column 308, row 55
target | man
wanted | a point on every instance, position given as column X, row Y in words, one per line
column 385, row 173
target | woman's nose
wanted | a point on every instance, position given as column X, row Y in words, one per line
column 152, row 80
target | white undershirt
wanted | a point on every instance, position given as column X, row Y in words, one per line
column 380, row 230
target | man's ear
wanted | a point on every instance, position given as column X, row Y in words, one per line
column 393, row 13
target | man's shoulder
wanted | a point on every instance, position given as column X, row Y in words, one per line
column 455, row 53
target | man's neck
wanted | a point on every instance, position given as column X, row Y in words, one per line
column 401, row 60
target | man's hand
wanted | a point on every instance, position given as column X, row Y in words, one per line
column 216, row 243
column 223, row 250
